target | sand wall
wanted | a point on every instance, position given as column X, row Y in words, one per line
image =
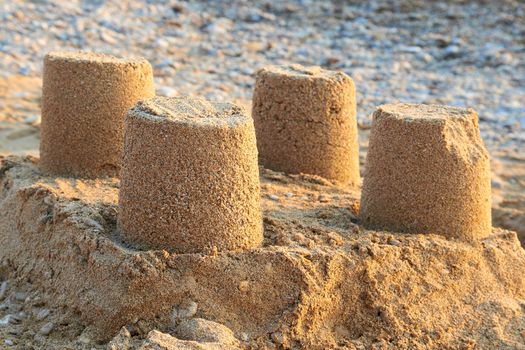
column 318, row 281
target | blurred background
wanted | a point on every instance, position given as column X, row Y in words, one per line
column 461, row 53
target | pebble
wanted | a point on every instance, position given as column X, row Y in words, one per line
column 15, row 330
column 452, row 51
column 273, row 197
column 7, row 319
column 47, row 328
column 93, row 223
column 32, row 120
column 220, row 26
column 187, row 310
column 42, row 314
column 496, row 184
column 108, row 38
column 244, row 286
column 20, row 316
column 22, row 95
column 3, row 289
column 84, row 339
column 394, row 242
column 15, row 307
column 277, row 338
column 9, row 342
column 24, row 71
column 166, row 91
column 342, row 332
column 324, row 198
column 20, row 296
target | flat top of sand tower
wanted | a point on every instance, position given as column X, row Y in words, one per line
column 92, row 57
column 423, row 112
column 297, row 71
column 190, row 110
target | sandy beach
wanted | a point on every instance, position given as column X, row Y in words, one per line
column 410, row 291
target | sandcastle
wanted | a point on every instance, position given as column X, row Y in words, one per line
column 190, row 179
column 180, row 235
column 427, row 171
column 305, row 120
column 84, row 101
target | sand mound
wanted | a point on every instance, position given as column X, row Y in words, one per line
column 319, row 280
column 189, row 179
column 427, row 171
column 305, row 121
column 85, row 97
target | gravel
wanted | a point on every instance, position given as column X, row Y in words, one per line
column 462, row 53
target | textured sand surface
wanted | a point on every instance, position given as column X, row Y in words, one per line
column 461, row 53
column 319, row 281
column 85, row 97
column 427, row 171
column 190, row 179
column 305, row 120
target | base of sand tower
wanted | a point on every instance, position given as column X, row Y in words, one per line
column 319, row 280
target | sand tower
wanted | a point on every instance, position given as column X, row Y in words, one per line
column 85, row 98
column 427, row 171
column 190, row 179
column 305, row 120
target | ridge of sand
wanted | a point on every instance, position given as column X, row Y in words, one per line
column 424, row 112
column 194, row 110
column 94, row 57
column 297, row 71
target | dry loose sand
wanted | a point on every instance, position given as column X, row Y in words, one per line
column 190, row 179
column 305, row 119
column 84, row 101
column 427, row 172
